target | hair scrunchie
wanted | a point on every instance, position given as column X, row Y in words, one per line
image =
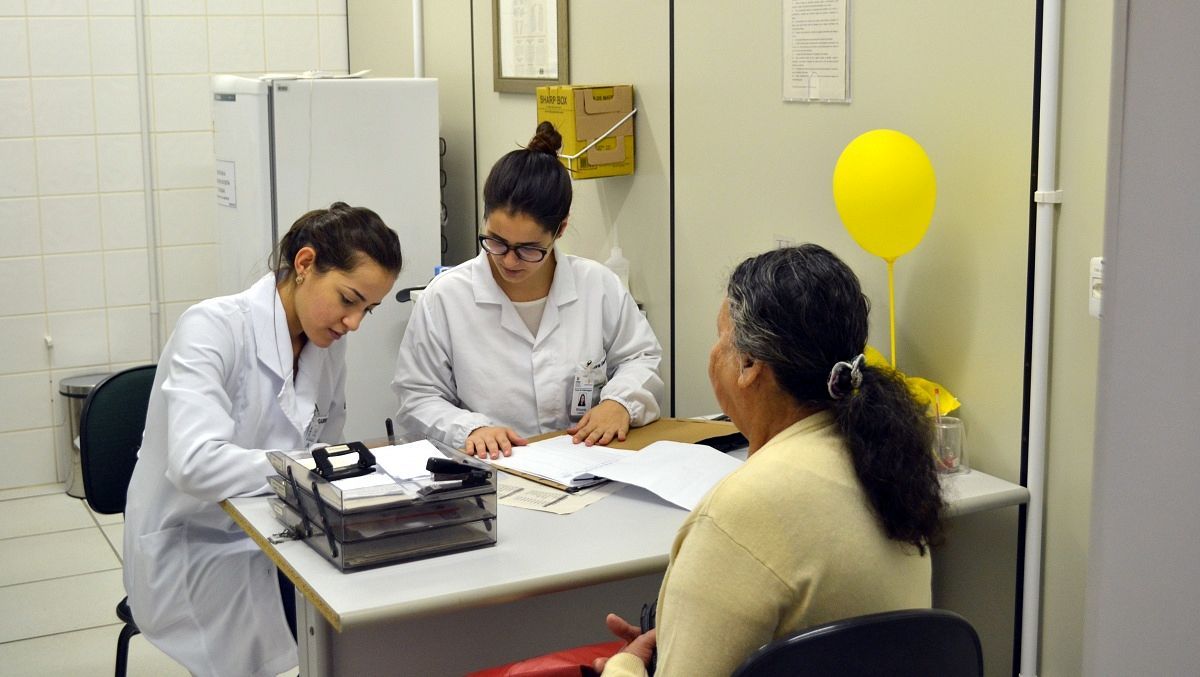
column 836, row 384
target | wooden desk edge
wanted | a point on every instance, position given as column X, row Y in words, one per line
column 297, row 580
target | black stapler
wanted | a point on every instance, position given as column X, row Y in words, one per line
column 451, row 474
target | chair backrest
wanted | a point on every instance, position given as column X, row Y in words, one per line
column 913, row 642
column 110, row 433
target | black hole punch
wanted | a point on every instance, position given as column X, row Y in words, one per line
column 364, row 466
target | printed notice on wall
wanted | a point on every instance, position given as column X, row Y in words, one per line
column 226, row 183
column 816, row 50
column 528, row 39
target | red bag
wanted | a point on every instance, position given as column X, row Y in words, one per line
column 566, row 663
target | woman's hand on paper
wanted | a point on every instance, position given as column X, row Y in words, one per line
column 492, row 442
column 602, row 424
column 636, row 643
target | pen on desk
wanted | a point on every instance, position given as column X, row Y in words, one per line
column 391, row 432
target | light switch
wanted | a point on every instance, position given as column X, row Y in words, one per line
column 1095, row 286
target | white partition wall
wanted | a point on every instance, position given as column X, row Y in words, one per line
column 1143, row 595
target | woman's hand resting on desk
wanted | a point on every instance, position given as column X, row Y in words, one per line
column 636, row 643
column 492, row 442
column 602, row 424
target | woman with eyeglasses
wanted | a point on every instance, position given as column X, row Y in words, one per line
column 522, row 339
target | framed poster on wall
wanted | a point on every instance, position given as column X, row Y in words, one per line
column 529, row 44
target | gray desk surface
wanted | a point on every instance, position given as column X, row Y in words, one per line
column 623, row 536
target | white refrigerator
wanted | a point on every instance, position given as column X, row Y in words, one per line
column 285, row 146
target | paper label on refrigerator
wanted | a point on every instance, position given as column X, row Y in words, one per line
column 226, row 183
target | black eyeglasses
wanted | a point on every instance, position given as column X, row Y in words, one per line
column 526, row 252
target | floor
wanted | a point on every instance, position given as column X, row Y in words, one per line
column 60, row 582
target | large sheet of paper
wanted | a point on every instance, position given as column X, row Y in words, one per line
column 679, row 472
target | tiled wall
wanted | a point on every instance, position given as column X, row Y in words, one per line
column 73, row 245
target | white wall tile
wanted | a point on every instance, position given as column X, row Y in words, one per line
column 62, row 106
column 16, row 108
column 57, row 7
column 219, row 7
column 66, row 165
column 182, row 103
column 289, row 6
column 235, row 44
column 118, row 105
column 129, row 334
column 80, row 339
column 17, row 168
column 184, row 160
column 12, row 8
column 111, row 7
column 14, row 48
column 74, row 282
column 334, row 52
column 23, row 293
column 126, row 278
column 59, row 47
column 114, row 46
column 170, row 315
column 19, row 227
column 291, row 43
column 123, row 220
column 119, row 158
column 23, row 343
column 70, row 224
column 178, row 45
column 332, row 7
column 188, row 217
column 29, row 455
column 25, row 401
column 189, row 273
column 174, row 7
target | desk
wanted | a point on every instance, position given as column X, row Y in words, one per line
column 545, row 585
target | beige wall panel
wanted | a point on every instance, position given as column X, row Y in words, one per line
column 617, row 41
column 380, row 36
column 1079, row 234
column 955, row 76
column 381, row 39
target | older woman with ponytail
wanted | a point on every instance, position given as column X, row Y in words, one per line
column 832, row 515
column 524, row 339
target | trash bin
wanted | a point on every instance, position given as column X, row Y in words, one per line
column 75, row 390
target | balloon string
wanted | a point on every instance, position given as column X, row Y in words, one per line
column 892, row 306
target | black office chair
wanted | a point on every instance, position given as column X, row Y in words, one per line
column 110, row 433
column 909, row 643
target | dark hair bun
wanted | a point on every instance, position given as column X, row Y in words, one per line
column 546, row 140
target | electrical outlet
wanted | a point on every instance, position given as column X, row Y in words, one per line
column 1095, row 286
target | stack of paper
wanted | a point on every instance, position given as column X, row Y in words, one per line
column 678, row 472
column 559, row 462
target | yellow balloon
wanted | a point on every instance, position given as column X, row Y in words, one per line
column 885, row 189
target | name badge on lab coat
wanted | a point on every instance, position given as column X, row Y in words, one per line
column 313, row 432
column 585, row 392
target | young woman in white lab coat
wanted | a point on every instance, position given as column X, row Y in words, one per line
column 522, row 339
column 260, row 370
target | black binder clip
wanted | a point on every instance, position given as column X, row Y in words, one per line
column 364, row 466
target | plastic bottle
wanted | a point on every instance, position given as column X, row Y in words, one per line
column 617, row 263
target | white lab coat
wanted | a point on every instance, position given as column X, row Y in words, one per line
column 468, row 359
column 199, row 588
